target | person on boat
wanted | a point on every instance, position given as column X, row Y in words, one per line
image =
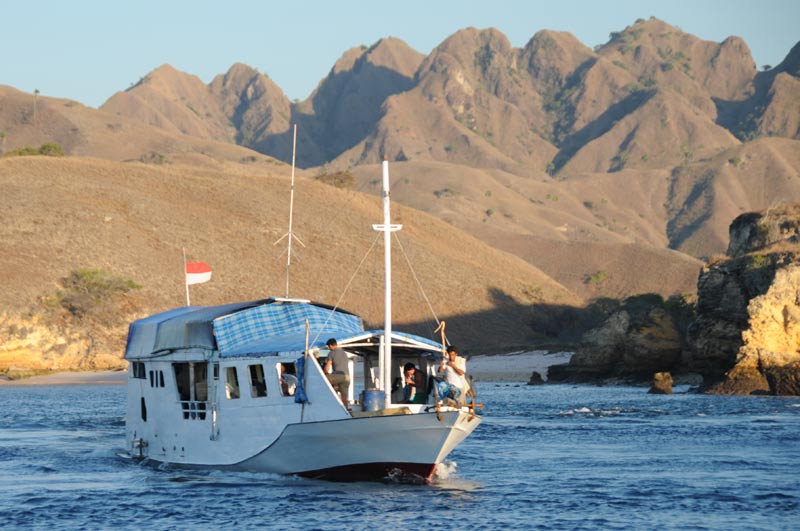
column 288, row 381
column 337, row 369
column 410, row 383
column 452, row 370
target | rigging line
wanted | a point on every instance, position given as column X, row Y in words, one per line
column 377, row 237
column 416, row 279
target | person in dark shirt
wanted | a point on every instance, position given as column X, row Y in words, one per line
column 337, row 369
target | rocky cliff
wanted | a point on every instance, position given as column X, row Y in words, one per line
column 746, row 338
column 33, row 343
column 638, row 339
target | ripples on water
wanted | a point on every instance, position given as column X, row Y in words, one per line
column 552, row 457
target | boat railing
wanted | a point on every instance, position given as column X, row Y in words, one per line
column 194, row 409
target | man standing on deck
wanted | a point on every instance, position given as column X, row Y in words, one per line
column 337, row 369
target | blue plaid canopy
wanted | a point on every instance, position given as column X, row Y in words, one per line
column 280, row 327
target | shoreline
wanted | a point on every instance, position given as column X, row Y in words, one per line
column 512, row 367
column 70, row 378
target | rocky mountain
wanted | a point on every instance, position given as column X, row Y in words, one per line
column 745, row 335
column 611, row 172
column 701, row 133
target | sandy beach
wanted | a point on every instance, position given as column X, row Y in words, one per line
column 513, row 367
column 71, row 378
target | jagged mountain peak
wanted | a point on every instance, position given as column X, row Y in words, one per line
column 394, row 54
column 552, row 56
column 791, row 63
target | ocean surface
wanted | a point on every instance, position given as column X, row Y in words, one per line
column 546, row 457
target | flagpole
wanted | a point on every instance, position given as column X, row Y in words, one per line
column 185, row 280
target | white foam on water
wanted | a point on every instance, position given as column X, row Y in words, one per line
column 445, row 470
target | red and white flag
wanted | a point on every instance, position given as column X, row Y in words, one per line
column 197, row 273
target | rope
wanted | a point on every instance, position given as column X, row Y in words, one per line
column 419, row 284
column 377, row 237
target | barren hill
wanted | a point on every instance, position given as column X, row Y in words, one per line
column 58, row 215
column 591, row 165
column 28, row 120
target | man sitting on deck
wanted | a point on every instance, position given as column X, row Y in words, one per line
column 452, row 382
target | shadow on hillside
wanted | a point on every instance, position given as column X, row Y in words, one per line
column 693, row 212
column 600, row 126
column 741, row 117
column 511, row 325
column 341, row 114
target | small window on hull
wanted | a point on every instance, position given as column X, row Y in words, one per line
column 138, row 370
column 143, row 410
column 231, row 383
column 258, row 386
column 287, row 373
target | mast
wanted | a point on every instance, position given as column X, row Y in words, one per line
column 290, row 234
column 385, row 361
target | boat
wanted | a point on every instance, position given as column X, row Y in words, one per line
column 243, row 386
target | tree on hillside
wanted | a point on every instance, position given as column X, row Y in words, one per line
column 35, row 98
column 3, row 139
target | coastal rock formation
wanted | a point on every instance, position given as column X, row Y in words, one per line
column 31, row 343
column 633, row 343
column 746, row 338
column 662, row 384
column 536, row 379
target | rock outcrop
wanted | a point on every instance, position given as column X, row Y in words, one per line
column 746, row 338
column 33, row 343
column 662, row 384
column 639, row 339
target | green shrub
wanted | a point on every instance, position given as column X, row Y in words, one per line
column 596, row 278
column 90, row 291
column 758, row 261
column 339, row 179
column 50, row 149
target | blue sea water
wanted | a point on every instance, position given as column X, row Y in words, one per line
column 546, row 457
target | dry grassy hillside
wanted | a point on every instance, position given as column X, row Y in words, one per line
column 587, row 163
column 59, row 215
column 83, row 131
column 613, row 225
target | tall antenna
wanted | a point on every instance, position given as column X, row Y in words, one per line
column 290, row 234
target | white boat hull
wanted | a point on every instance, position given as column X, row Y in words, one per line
column 365, row 448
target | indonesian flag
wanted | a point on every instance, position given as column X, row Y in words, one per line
column 197, row 273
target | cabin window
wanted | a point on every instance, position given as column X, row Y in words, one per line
column 258, row 386
column 182, row 380
column 231, row 383
column 138, row 370
column 191, row 381
column 156, row 378
column 200, row 382
column 287, row 374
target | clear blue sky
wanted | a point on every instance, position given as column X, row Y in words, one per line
column 88, row 50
